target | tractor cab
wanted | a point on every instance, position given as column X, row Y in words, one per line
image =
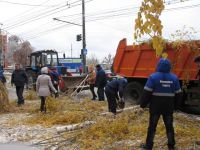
column 44, row 58
column 39, row 59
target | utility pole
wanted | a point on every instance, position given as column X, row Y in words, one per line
column 84, row 50
column 71, row 50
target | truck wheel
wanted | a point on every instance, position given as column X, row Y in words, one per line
column 133, row 93
column 191, row 109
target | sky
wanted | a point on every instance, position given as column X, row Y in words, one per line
column 107, row 22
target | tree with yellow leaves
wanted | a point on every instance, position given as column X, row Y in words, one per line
column 148, row 22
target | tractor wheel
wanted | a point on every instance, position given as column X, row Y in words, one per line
column 133, row 93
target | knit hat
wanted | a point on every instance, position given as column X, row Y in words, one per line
column 44, row 70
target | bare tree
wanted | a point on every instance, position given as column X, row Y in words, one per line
column 14, row 38
column 13, row 45
column 92, row 60
column 108, row 61
column 21, row 55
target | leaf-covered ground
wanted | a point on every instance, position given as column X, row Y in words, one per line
column 126, row 131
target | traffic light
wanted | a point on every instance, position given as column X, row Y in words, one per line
column 78, row 37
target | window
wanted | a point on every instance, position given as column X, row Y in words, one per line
column 44, row 59
column 32, row 60
column 48, row 59
column 38, row 60
column 54, row 59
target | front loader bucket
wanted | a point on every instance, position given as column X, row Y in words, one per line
column 70, row 82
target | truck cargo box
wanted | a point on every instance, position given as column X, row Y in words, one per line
column 139, row 61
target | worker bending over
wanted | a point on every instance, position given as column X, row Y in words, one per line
column 114, row 90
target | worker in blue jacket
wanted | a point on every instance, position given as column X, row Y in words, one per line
column 2, row 77
column 163, row 94
column 114, row 90
column 100, row 82
column 55, row 79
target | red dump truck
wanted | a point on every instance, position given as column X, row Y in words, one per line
column 137, row 62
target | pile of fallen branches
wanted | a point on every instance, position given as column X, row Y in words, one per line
column 74, row 136
column 58, row 142
column 4, row 101
column 85, row 124
column 125, row 131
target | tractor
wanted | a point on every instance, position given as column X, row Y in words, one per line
column 49, row 58
column 39, row 59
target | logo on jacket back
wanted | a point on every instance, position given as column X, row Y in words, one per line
column 166, row 83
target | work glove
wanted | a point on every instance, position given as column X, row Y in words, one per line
column 56, row 94
column 121, row 103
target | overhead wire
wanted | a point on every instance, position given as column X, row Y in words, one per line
column 30, row 19
column 76, row 14
column 35, row 16
column 133, row 12
column 47, row 31
column 38, row 29
column 124, row 10
column 169, row 2
column 117, row 15
column 112, row 13
column 42, row 16
column 32, row 5
column 182, row 7
column 48, row 22
column 50, row 29
column 127, row 13
column 23, row 14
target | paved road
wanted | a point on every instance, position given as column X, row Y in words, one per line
column 12, row 93
column 16, row 147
